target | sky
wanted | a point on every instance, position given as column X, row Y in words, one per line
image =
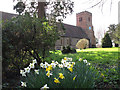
column 101, row 19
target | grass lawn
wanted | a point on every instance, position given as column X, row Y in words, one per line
column 105, row 60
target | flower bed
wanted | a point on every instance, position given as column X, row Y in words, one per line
column 67, row 74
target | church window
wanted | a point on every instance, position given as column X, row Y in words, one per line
column 61, row 41
column 67, row 41
column 89, row 19
column 80, row 19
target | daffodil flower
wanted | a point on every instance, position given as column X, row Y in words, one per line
column 34, row 61
column 85, row 61
column 31, row 65
column 56, row 80
column 37, row 71
column 45, row 87
column 53, row 65
column 88, row 64
column 27, row 69
column 74, row 77
column 61, row 76
column 70, row 69
column 70, row 59
column 80, row 59
column 60, row 65
column 65, row 58
column 23, row 84
column 48, row 73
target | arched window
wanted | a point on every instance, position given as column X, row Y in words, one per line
column 89, row 19
column 80, row 19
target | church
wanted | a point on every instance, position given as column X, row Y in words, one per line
column 83, row 29
column 72, row 34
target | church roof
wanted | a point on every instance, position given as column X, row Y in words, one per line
column 7, row 16
column 74, row 32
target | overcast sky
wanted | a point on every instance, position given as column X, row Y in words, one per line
column 101, row 19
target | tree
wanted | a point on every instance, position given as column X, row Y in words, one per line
column 56, row 9
column 106, row 41
column 114, row 32
column 28, row 36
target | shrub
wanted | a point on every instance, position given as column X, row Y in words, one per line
column 68, row 50
column 67, row 74
column 106, row 41
column 82, row 43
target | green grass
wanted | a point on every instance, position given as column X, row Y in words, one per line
column 105, row 60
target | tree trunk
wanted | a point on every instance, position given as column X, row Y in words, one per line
column 41, row 9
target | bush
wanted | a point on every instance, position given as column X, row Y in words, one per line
column 82, row 43
column 68, row 50
column 68, row 74
column 106, row 41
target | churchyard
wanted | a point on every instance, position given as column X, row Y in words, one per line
column 104, row 61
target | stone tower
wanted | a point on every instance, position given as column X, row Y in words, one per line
column 84, row 20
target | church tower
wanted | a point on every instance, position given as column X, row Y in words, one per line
column 84, row 20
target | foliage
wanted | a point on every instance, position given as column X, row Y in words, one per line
column 26, row 37
column 114, row 32
column 82, row 44
column 67, row 74
column 57, row 9
column 67, row 50
column 106, row 41
column 105, row 60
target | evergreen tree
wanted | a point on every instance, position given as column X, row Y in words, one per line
column 106, row 41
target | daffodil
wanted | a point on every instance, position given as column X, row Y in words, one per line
column 31, row 65
column 56, row 80
column 21, row 71
column 46, row 64
column 27, row 69
column 34, row 61
column 80, row 59
column 49, row 68
column 48, row 73
column 63, row 61
column 65, row 58
column 60, row 65
column 45, row 87
column 85, row 61
column 74, row 77
column 61, row 76
column 23, row 84
column 42, row 65
column 70, row 59
column 56, row 63
column 37, row 71
column 88, row 64
column 53, row 65
column 71, row 69
column 73, row 63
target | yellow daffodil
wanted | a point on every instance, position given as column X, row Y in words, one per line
column 56, row 80
column 49, row 68
column 80, row 59
column 65, row 58
column 71, row 65
column 61, row 76
column 48, row 73
column 71, row 69
column 74, row 77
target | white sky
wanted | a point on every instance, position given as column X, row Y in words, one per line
column 101, row 21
